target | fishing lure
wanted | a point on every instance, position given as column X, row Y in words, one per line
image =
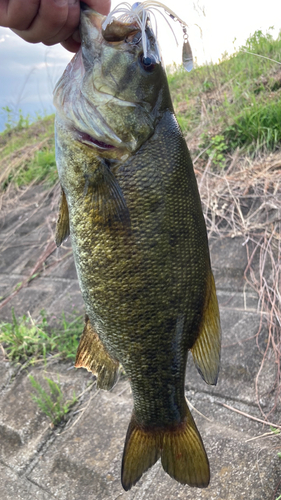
column 140, row 13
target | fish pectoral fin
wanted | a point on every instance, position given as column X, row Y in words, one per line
column 107, row 197
column 62, row 228
column 92, row 355
column 181, row 449
column 206, row 350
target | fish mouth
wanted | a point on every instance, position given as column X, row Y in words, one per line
column 88, row 105
column 90, row 141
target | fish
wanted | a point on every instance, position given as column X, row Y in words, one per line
column 131, row 204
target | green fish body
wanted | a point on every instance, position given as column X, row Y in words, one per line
column 131, row 204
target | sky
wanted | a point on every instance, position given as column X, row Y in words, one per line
column 28, row 72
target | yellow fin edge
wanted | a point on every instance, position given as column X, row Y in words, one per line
column 181, row 449
column 206, row 350
column 92, row 355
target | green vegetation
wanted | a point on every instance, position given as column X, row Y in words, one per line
column 27, row 152
column 52, row 402
column 67, row 335
column 26, row 341
column 235, row 103
column 15, row 122
column 41, row 167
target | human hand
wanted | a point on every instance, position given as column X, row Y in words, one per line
column 47, row 21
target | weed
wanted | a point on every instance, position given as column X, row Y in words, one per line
column 51, row 403
column 67, row 335
column 15, row 120
column 257, row 128
column 217, row 150
column 23, row 339
column 27, row 153
column 41, row 167
column 238, row 98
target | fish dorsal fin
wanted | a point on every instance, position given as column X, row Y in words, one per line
column 92, row 355
column 62, row 229
column 206, row 350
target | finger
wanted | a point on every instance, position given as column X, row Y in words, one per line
column 70, row 26
column 72, row 43
column 18, row 14
column 55, row 21
column 101, row 6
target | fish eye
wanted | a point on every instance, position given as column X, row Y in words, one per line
column 148, row 63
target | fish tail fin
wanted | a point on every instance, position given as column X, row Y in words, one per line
column 181, row 449
column 183, row 454
column 141, row 451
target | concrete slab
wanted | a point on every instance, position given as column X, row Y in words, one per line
column 82, row 459
column 24, row 429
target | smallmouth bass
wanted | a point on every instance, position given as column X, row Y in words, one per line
column 131, row 204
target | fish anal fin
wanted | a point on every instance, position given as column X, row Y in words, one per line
column 62, row 228
column 181, row 449
column 92, row 355
column 206, row 350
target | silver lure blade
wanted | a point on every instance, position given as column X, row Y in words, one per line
column 187, row 58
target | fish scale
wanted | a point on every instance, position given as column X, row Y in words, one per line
column 140, row 248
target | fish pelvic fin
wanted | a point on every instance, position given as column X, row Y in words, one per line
column 91, row 354
column 180, row 447
column 206, row 350
column 62, row 229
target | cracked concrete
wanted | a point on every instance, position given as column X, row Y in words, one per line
column 82, row 457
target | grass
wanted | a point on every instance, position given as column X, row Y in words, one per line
column 27, row 154
column 41, row 167
column 67, row 335
column 237, row 98
column 24, row 339
column 51, row 402
column 27, row 341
